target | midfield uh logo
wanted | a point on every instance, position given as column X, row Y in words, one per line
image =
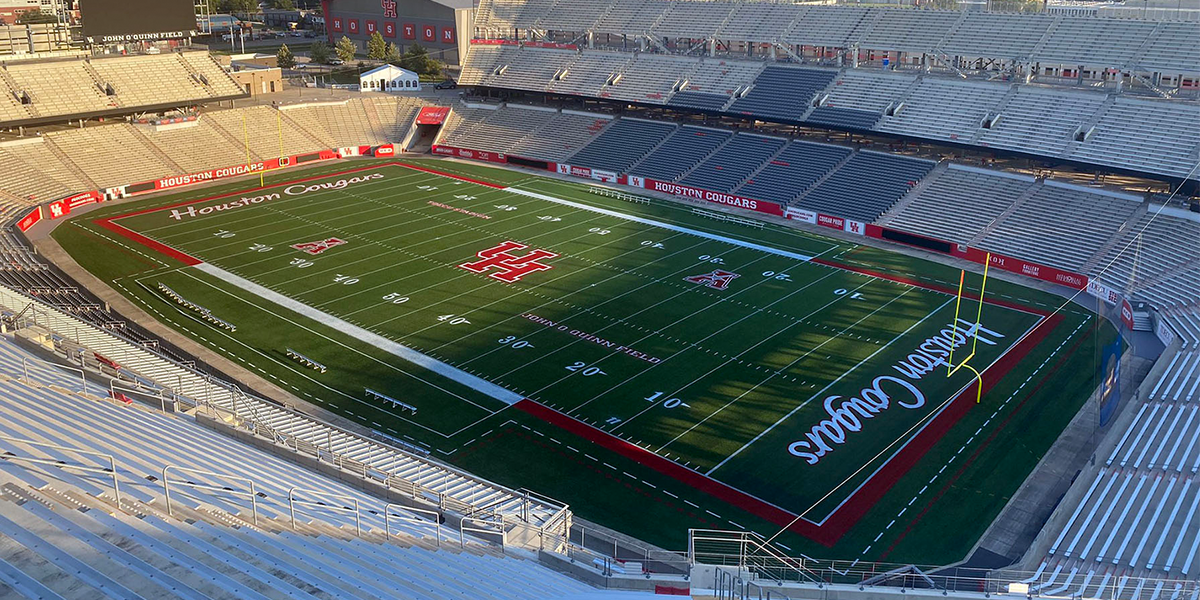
column 509, row 268
column 718, row 280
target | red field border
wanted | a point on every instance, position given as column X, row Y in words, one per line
column 842, row 519
column 857, row 505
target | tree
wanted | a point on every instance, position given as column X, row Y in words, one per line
column 346, row 49
column 418, row 61
column 233, row 6
column 284, row 59
column 283, row 4
column 392, row 54
column 376, row 48
column 319, row 52
column 37, row 16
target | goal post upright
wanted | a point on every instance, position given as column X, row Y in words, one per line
column 951, row 369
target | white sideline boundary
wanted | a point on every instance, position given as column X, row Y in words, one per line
column 374, row 339
column 662, row 225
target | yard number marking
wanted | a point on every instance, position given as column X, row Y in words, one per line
column 669, row 402
column 512, row 342
column 583, row 369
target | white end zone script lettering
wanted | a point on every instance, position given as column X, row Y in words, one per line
column 291, row 190
column 846, row 416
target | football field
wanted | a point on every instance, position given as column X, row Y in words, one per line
column 757, row 366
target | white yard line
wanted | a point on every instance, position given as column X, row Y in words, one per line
column 662, row 225
column 826, row 388
column 393, row 348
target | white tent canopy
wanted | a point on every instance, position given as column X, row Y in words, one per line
column 389, row 78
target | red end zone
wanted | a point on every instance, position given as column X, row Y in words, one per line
column 873, row 490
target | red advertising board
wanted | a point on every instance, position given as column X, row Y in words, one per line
column 31, row 219
column 175, row 181
column 483, row 155
column 385, row 150
column 831, row 222
column 59, row 209
column 733, row 200
column 1127, row 314
column 83, row 198
column 433, row 115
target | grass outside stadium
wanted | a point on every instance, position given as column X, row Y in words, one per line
column 655, row 369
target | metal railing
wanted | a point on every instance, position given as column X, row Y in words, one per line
column 110, row 471
column 388, row 515
column 491, row 528
column 747, row 551
column 352, row 509
column 166, row 482
column 217, row 396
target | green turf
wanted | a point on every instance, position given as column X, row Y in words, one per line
column 741, row 372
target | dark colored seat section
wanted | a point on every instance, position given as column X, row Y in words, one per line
column 683, row 150
column 845, row 118
column 866, row 186
column 793, row 171
column 699, row 101
column 621, row 145
column 728, row 167
column 782, row 93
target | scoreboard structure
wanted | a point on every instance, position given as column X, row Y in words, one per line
column 125, row 21
column 442, row 26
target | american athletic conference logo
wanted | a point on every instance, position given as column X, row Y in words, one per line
column 509, row 268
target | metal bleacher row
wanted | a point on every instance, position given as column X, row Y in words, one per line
column 1050, row 39
column 65, row 533
column 60, row 89
column 1091, row 127
column 1138, row 515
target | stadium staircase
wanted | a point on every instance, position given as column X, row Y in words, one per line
column 308, row 133
column 1012, row 208
column 237, row 142
column 97, row 78
column 904, row 202
column 825, row 177
column 11, row 84
column 373, row 119
column 1095, row 263
column 156, row 150
column 69, row 164
column 691, row 169
column 762, row 166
